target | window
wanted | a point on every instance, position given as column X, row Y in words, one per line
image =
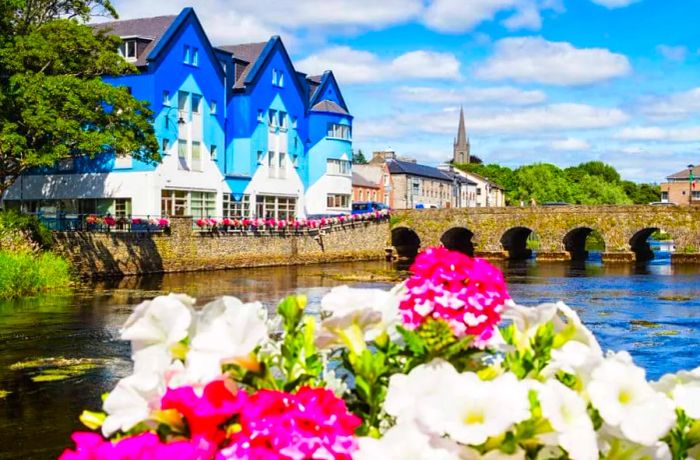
column 122, row 207
column 271, row 165
column 415, row 186
column 277, row 78
column 282, row 164
column 195, row 56
column 212, row 107
column 272, row 117
column 282, row 119
column 196, row 103
column 340, row 167
column 186, row 55
column 294, row 122
column 196, row 156
column 182, row 102
column 260, row 157
column 664, row 196
column 129, row 50
column 335, row 200
column 260, row 116
column 695, row 195
column 276, row 207
column 361, row 195
column 182, row 154
column 236, row 208
column 122, row 162
column 166, row 146
column 338, row 131
column 174, row 202
column 202, row 204
column 213, row 153
column 478, row 191
column 166, row 98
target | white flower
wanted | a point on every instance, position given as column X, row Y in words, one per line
column 406, row 441
column 406, row 390
column 581, row 333
column 611, row 446
column 225, row 329
column 566, row 412
column 684, row 388
column 470, row 410
column 574, row 358
column 527, row 320
column 626, row 401
column 349, row 329
column 132, row 401
column 472, row 454
column 161, row 322
column 343, row 301
column 334, row 383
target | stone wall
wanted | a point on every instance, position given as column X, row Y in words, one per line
column 185, row 249
column 562, row 231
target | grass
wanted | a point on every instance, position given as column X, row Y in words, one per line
column 26, row 273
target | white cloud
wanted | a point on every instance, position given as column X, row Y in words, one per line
column 674, row 106
column 544, row 120
column 507, row 95
column 534, row 59
column 356, row 66
column 611, row 4
column 570, row 144
column 656, row 133
column 673, row 53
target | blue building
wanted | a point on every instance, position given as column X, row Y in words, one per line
column 242, row 133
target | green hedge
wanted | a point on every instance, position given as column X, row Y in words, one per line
column 27, row 273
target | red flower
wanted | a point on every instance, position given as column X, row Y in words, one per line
column 206, row 413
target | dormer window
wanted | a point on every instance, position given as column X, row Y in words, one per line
column 129, row 50
column 272, row 118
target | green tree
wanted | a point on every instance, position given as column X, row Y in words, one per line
column 54, row 104
column 359, row 158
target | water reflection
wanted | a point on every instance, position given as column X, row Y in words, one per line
column 651, row 310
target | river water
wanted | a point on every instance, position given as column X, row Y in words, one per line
column 652, row 311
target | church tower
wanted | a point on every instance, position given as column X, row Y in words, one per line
column 461, row 147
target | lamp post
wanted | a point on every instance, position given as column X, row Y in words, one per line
column 691, row 178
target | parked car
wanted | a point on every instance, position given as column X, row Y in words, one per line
column 662, row 203
column 362, row 207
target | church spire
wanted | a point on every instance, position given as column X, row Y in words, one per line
column 461, row 151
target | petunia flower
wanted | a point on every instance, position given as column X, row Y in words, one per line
column 132, row 401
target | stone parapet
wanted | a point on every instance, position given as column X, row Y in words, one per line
column 185, row 249
column 682, row 259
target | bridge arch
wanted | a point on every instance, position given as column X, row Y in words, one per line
column 406, row 242
column 459, row 239
column 514, row 240
column 639, row 244
column 575, row 242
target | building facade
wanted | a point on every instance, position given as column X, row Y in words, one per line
column 242, row 133
column 682, row 188
column 372, row 182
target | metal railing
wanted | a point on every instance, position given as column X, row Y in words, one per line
column 74, row 222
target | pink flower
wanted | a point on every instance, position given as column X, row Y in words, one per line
column 201, row 223
column 91, row 446
column 468, row 293
column 110, row 221
column 246, row 222
column 323, row 221
column 163, row 222
column 206, row 413
column 226, row 221
column 311, row 424
column 136, row 221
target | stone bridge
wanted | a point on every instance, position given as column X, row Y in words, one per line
column 502, row 233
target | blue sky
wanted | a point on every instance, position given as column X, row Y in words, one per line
column 560, row 81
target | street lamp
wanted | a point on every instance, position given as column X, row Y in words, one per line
column 691, row 178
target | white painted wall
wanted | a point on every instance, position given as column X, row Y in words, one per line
column 316, row 195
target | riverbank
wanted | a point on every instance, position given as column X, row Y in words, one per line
column 27, row 265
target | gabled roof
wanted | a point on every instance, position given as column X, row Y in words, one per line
column 245, row 55
column 314, row 82
column 152, row 29
column 327, row 79
column 459, row 178
column 329, row 106
column 685, row 174
column 415, row 169
column 483, row 179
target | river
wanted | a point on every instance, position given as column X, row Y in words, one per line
column 651, row 311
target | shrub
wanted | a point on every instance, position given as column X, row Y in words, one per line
column 11, row 221
column 25, row 273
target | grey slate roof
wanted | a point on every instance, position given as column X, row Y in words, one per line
column 329, row 106
column 314, row 84
column 415, row 169
column 459, row 178
column 245, row 54
column 148, row 28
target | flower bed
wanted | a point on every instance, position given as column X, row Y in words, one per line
column 443, row 366
column 281, row 226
